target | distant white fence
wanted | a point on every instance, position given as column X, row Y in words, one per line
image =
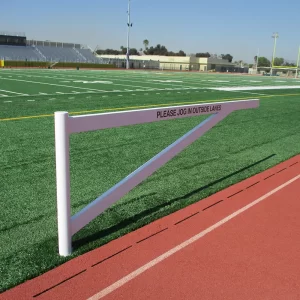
column 65, row 125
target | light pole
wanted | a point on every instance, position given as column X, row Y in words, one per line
column 257, row 60
column 275, row 36
column 128, row 32
column 298, row 60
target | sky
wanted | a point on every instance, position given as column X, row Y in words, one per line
column 237, row 27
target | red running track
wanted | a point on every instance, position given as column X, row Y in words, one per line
column 241, row 243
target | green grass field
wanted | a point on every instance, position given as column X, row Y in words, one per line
column 245, row 143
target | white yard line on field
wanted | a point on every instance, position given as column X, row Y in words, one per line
column 63, row 78
column 250, row 93
column 52, row 84
column 211, row 83
column 13, row 92
column 132, row 78
column 194, row 90
column 256, row 88
column 150, row 79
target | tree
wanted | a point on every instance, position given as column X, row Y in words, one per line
column 162, row 50
column 146, row 44
column 227, row 57
column 158, row 50
column 133, row 51
column 203, row 54
column 108, row 51
column 181, row 53
column 123, row 50
column 278, row 61
column 289, row 64
column 263, row 62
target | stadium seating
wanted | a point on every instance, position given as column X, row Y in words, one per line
column 60, row 54
column 19, row 53
column 88, row 55
column 47, row 53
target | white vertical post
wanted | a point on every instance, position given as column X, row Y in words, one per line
column 275, row 36
column 63, row 183
column 257, row 61
column 128, row 32
column 298, row 60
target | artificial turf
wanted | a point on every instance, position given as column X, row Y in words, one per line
column 245, row 143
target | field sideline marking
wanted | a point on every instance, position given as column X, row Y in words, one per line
column 116, row 285
column 140, row 106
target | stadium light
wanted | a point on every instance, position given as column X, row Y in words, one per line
column 275, row 36
column 128, row 32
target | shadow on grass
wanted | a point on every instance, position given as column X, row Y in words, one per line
column 103, row 233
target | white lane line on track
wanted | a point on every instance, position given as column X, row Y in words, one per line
column 157, row 260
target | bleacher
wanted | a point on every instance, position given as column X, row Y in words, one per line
column 19, row 53
column 59, row 54
column 45, row 51
column 89, row 55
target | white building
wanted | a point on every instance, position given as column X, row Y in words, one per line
column 172, row 62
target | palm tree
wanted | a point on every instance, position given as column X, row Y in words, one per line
column 146, row 44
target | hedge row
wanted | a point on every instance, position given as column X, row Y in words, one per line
column 82, row 65
column 38, row 64
column 11, row 63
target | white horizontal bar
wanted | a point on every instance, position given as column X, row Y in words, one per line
column 122, row 118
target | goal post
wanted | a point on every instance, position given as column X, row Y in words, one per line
column 65, row 125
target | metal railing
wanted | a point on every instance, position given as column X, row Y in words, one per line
column 13, row 33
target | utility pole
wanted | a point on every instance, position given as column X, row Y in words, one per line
column 275, row 36
column 128, row 32
column 257, row 61
column 298, row 60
